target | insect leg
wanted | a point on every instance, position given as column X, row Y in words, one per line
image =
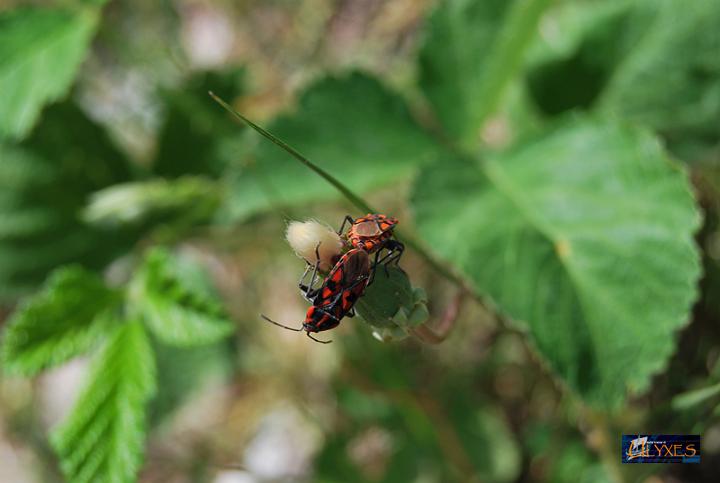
column 347, row 219
column 318, row 340
column 309, row 292
column 395, row 250
column 373, row 269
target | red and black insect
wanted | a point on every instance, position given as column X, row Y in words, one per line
column 336, row 297
column 373, row 233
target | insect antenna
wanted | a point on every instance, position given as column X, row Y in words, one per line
column 280, row 325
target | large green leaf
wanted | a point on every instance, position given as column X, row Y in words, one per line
column 40, row 51
column 23, row 176
column 79, row 148
column 102, row 439
column 38, row 229
column 44, row 183
column 352, row 127
column 586, row 235
column 62, row 321
column 176, row 303
column 472, row 49
column 652, row 61
column 570, row 69
column 670, row 77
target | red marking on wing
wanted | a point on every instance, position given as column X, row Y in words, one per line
column 337, row 276
column 309, row 314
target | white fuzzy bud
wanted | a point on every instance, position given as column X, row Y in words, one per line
column 305, row 236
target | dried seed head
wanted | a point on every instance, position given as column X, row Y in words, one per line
column 305, row 236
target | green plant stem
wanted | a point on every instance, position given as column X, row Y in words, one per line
column 352, row 197
column 505, row 59
column 357, row 201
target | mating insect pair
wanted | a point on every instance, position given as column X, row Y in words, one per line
column 335, row 298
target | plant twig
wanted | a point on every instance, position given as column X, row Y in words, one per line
column 356, row 200
column 352, row 197
column 447, row 322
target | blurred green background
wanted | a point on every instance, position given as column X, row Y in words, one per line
column 555, row 169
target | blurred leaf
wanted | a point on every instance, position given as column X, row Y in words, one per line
column 332, row 464
column 687, row 400
column 40, row 52
column 651, row 61
column 80, row 148
column 352, row 127
column 570, row 233
column 173, row 308
column 185, row 371
column 103, row 437
column 571, row 68
column 22, row 175
column 574, row 463
column 354, row 454
column 62, row 321
column 473, row 48
column 676, row 60
column 364, row 408
column 184, row 201
column 191, row 139
column 558, row 455
column 43, row 186
column 399, row 356
column 487, row 440
column 424, row 435
column 24, row 263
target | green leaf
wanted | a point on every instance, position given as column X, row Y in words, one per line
column 62, row 321
column 585, row 234
column 80, row 149
column 103, row 437
column 174, row 300
column 487, row 439
column 576, row 464
column 195, row 134
column 695, row 397
column 388, row 293
column 669, row 78
column 352, row 127
column 570, row 69
column 654, row 62
column 183, row 201
column 185, row 372
column 391, row 305
column 44, row 183
column 40, row 52
column 472, row 50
